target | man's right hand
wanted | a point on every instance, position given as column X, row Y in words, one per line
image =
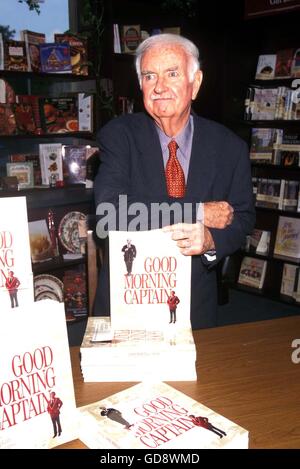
column 217, row 214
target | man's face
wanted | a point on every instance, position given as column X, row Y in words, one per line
column 167, row 90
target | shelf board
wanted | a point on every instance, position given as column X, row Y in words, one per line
column 39, row 198
column 86, row 135
column 262, row 293
column 76, row 320
column 271, row 123
column 271, row 258
column 274, row 166
column 37, row 75
column 275, row 82
column 56, row 264
column 279, row 212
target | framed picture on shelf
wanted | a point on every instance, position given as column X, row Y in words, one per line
column 23, row 172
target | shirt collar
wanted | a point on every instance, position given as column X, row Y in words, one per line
column 182, row 138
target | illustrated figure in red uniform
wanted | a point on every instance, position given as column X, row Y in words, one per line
column 12, row 283
column 53, row 409
column 173, row 301
column 204, row 423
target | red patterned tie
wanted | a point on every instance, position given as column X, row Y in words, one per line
column 174, row 173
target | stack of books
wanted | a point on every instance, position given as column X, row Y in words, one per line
column 135, row 354
column 146, row 337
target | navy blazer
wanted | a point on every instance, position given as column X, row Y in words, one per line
column 132, row 164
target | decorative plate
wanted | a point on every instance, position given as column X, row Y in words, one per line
column 48, row 286
column 47, row 294
column 68, row 231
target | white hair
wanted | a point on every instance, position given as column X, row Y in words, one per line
column 169, row 39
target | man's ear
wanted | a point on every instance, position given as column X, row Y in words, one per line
column 197, row 83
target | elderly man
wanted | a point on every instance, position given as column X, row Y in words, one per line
column 169, row 154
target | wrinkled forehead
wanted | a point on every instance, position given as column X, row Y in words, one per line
column 164, row 55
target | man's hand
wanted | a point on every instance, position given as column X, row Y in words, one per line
column 217, row 214
column 191, row 238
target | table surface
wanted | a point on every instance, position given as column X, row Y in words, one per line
column 245, row 373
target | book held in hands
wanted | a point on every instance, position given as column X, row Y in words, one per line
column 153, row 417
column 145, row 268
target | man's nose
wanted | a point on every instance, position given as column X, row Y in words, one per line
column 160, row 85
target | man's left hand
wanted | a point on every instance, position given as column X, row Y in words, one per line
column 191, row 238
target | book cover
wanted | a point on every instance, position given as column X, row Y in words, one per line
column 92, row 165
column 16, row 287
column 51, row 163
column 33, row 102
column 131, row 37
column 23, row 172
column 55, row 58
column 259, row 241
column 252, row 272
column 269, row 193
column 150, row 281
column 8, row 125
column 85, row 112
column 23, row 157
column 38, row 409
column 15, row 56
column 265, row 67
column 75, row 293
column 74, row 164
column 262, row 141
column 288, row 280
column 295, row 71
column 40, row 241
column 25, row 118
column 156, row 416
column 284, row 60
column 78, row 51
column 287, row 242
column 32, row 41
column 59, row 115
column 289, row 157
column 7, row 94
column 290, row 196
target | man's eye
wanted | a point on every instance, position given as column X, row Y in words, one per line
column 148, row 77
column 173, row 73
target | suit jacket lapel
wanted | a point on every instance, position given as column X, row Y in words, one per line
column 202, row 164
column 151, row 158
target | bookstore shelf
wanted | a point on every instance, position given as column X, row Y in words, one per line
column 263, row 293
column 273, row 136
column 66, row 267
